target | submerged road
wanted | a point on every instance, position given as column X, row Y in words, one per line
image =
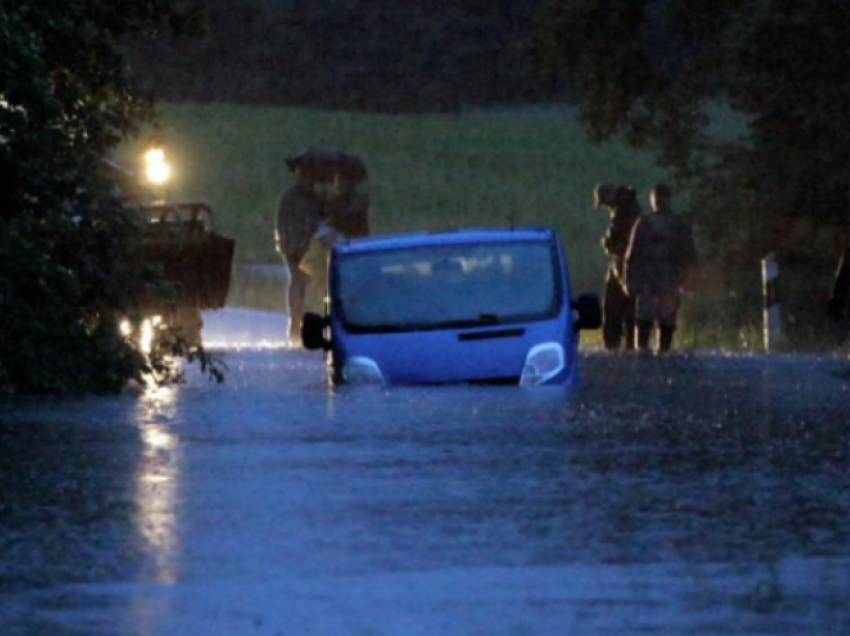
column 695, row 495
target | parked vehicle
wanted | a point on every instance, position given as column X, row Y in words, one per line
column 472, row 306
column 192, row 260
column 178, row 241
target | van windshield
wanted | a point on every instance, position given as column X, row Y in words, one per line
column 447, row 286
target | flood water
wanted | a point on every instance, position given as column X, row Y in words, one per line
column 693, row 495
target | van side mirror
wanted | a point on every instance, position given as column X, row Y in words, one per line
column 313, row 332
column 589, row 311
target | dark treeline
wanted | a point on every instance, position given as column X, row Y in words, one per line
column 375, row 55
column 67, row 270
column 652, row 69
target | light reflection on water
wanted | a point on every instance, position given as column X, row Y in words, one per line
column 688, row 494
column 239, row 328
column 236, row 345
column 157, row 486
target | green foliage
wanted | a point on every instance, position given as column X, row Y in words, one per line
column 168, row 348
column 65, row 101
column 653, row 69
column 623, row 59
column 59, row 287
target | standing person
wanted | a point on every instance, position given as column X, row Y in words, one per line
column 348, row 209
column 346, row 216
column 299, row 214
column 618, row 320
column 660, row 261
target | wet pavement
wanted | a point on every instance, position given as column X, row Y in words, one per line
column 695, row 495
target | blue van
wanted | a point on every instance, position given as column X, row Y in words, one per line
column 471, row 306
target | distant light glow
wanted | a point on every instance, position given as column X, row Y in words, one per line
column 157, row 169
column 159, row 173
column 146, row 337
column 155, row 479
column 126, row 328
column 5, row 105
column 159, row 438
column 155, row 155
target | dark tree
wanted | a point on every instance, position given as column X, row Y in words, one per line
column 655, row 69
column 65, row 101
column 372, row 55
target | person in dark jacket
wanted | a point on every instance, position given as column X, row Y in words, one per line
column 299, row 214
column 348, row 209
column 346, row 216
column 660, row 261
column 618, row 322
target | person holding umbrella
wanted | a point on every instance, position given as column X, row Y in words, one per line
column 299, row 214
column 308, row 224
column 346, row 216
column 348, row 208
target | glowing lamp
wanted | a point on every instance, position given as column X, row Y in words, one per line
column 157, row 170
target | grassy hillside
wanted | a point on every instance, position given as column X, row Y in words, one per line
column 532, row 166
column 430, row 171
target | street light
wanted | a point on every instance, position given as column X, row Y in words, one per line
column 157, row 169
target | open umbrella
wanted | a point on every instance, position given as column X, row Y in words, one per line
column 324, row 163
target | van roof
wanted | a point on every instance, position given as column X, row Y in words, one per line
column 443, row 237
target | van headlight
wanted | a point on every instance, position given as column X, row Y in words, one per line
column 362, row 370
column 543, row 363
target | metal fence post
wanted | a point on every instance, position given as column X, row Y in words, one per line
column 770, row 280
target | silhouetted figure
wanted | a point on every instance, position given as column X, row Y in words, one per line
column 660, row 260
column 299, row 214
column 346, row 216
column 618, row 322
column 348, row 209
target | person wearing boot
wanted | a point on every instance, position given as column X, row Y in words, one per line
column 618, row 319
column 299, row 214
column 660, row 261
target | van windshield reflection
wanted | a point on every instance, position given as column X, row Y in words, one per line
column 448, row 286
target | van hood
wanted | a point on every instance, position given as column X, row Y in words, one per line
column 493, row 354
